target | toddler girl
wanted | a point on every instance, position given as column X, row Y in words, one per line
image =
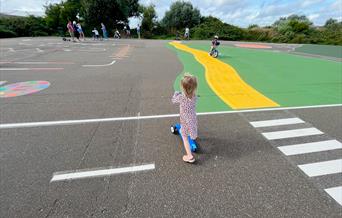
column 187, row 109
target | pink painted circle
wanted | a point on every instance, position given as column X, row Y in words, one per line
column 252, row 46
column 22, row 88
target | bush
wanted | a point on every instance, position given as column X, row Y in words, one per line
column 7, row 33
column 211, row 26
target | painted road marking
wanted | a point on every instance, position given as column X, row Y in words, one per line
column 226, row 82
column 60, row 176
column 21, row 43
column 310, row 147
column 25, row 68
column 93, row 50
column 322, row 168
column 291, row 133
column 36, row 62
column 11, row 50
column 276, row 122
column 101, row 65
column 73, row 122
column 39, row 50
column 335, row 193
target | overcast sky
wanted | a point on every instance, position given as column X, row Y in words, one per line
column 238, row 12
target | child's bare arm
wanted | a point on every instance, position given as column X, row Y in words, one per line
column 176, row 98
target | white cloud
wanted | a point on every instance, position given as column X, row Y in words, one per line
column 236, row 12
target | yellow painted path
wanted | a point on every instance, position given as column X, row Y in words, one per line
column 226, row 82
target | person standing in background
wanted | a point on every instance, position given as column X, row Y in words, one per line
column 187, row 33
column 138, row 31
column 128, row 31
column 104, row 31
column 79, row 29
column 71, row 30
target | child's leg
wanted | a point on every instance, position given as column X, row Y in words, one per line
column 187, row 147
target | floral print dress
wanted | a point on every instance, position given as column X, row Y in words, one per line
column 187, row 111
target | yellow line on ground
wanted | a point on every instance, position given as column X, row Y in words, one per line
column 226, row 82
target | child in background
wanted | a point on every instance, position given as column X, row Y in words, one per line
column 79, row 29
column 214, row 44
column 187, row 109
column 95, row 34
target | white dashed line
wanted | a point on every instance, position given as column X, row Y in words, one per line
column 60, row 176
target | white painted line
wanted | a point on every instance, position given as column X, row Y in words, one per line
column 73, row 122
column 335, row 193
column 291, row 133
column 21, row 43
column 322, row 168
column 39, row 50
column 60, row 176
column 101, row 65
column 310, row 147
column 6, row 69
column 38, row 62
column 66, row 50
column 11, row 50
column 25, row 68
column 113, row 119
column 276, row 122
column 2, row 82
column 93, row 50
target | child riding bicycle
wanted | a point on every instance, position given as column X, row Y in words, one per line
column 214, row 43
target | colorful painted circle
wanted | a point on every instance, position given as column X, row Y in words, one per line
column 252, row 46
column 22, row 88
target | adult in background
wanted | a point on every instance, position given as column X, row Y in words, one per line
column 71, row 30
column 104, row 31
column 187, row 33
column 138, row 31
column 76, row 33
column 128, row 31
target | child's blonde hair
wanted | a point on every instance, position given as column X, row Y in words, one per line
column 189, row 85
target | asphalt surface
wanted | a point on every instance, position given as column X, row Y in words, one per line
column 239, row 173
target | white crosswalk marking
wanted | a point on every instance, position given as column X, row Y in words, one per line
column 291, row 133
column 335, row 193
column 322, row 168
column 276, row 122
column 310, row 147
column 311, row 169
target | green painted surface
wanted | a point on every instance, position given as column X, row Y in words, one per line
column 287, row 79
column 326, row 50
column 208, row 101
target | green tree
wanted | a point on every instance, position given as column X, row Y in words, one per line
column 149, row 20
column 181, row 14
column 57, row 15
column 330, row 22
column 112, row 13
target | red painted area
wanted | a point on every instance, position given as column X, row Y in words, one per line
column 252, row 46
